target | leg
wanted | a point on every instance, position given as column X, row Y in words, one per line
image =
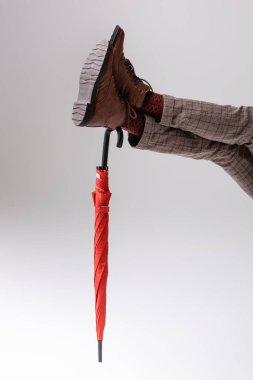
column 236, row 160
column 222, row 123
column 109, row 88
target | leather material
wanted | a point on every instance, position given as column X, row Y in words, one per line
column 110, row 109
column 130, row 86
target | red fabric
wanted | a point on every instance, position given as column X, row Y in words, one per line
column 134, row 126
column 101, row 197
column 153, row 105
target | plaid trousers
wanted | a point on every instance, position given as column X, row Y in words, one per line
column 222, row 134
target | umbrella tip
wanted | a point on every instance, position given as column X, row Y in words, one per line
column 100, row 350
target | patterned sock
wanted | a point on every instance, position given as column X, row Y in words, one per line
column 134, row 123
column 153, row 105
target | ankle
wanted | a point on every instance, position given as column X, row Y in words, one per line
column 153, row 105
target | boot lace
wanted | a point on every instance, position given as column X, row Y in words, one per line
column 131, row 111
column 132, row 74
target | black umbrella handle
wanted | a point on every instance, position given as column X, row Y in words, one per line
column 119, row 144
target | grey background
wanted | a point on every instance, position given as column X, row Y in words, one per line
column 180, row 266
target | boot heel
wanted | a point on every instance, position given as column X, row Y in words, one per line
column 92, row 70
column 78, row 112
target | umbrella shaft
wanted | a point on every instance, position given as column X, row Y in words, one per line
column 100, row 350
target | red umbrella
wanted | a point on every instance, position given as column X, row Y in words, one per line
column 101, row 197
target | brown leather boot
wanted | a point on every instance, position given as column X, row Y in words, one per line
column 130, row 86
column 98, row 103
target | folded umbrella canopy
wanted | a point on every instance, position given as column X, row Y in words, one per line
column 101, row 197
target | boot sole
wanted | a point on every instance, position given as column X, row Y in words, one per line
column 90, row 78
